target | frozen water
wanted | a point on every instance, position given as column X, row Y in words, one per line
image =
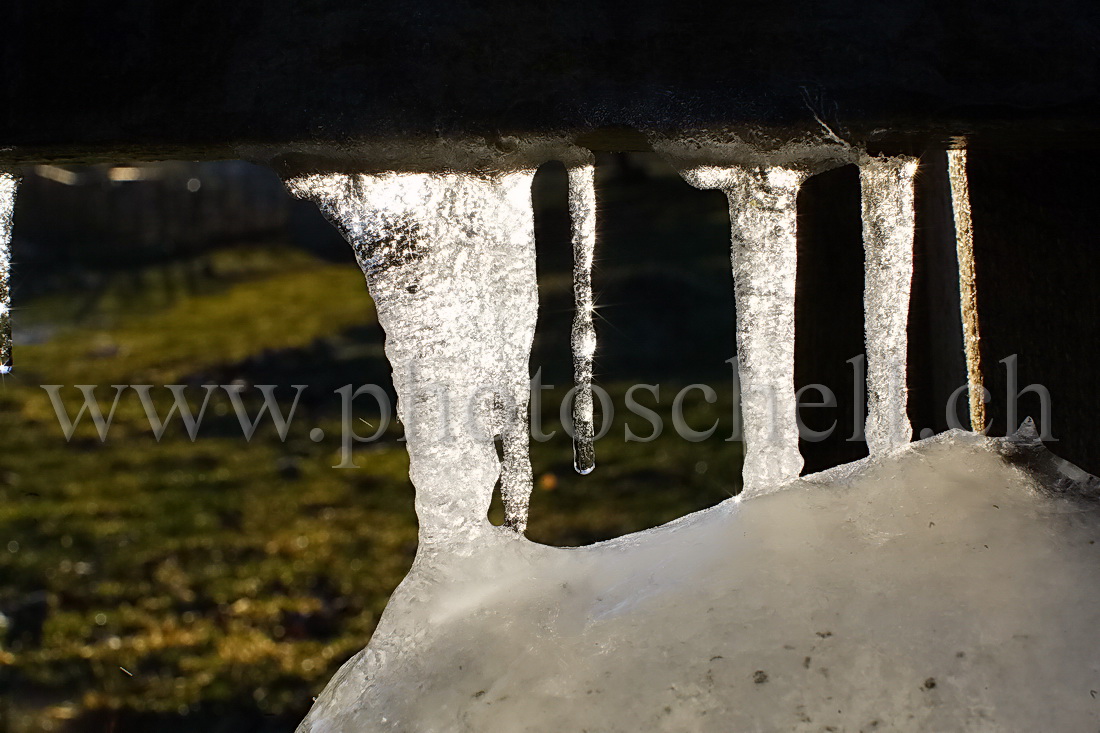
column 449, row 258
column 948, row 585
column 968, row 292
column 582, row 211
column 450, row 262
column 943, row 585
column 763, row 250
column 8, row 185
column 888, row 221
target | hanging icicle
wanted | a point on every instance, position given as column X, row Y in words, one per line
column 450, row 262
column 888, row 226
column 968, row 290
column 763, row 253
column 8, row 185
column 582, row 210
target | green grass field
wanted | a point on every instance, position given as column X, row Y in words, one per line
column 216, row 585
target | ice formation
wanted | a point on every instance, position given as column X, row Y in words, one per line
column 888, row 222
column 450, row 262
column 948, row 585
column 968, row 292
column 763, row 250
column 582, row 211
column 8, row 185
column 762, row 192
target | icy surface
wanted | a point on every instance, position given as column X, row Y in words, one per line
column 950, row 585
column 763, row 250
column 582, row 211
column 8, row 184
column 888, row 221
column 450, row 263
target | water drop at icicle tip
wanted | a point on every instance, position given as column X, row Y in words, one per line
column 584, row 459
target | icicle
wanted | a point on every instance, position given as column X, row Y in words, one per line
column 968, row 291
column 514, row 302
column 763, row 253
column 8, row 184
column 450, row 262
column 888, row 222
column 582, row 210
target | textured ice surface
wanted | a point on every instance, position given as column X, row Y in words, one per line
column 582, row 211
column 951, row 585
column 763, row 250
column 888, row 221
column 450, row 262
column 449, row 258
column 968, row 291
column 8, row 184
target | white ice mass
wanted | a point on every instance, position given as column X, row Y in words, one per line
column 949, row 584
column 943, row 587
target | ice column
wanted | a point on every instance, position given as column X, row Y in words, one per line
column 968, row 290
column 8, row 184
column 582, row 211
column 763, row 253
column 888, row 222
column 450, row 262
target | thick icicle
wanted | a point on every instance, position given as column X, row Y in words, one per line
column 582, row 210
column 763, row 253
column 888, row 223
column 968, row 290
column 8, row 184
column 450, row 261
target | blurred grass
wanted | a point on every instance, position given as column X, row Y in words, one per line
column 217, row 585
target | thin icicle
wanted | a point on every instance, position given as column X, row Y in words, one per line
column 968, row 290
column 8, row 185
column 888, row 225
column 582, row 210
column 763, row 253
column 450, row 262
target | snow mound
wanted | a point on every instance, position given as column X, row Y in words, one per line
column 953, row 584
